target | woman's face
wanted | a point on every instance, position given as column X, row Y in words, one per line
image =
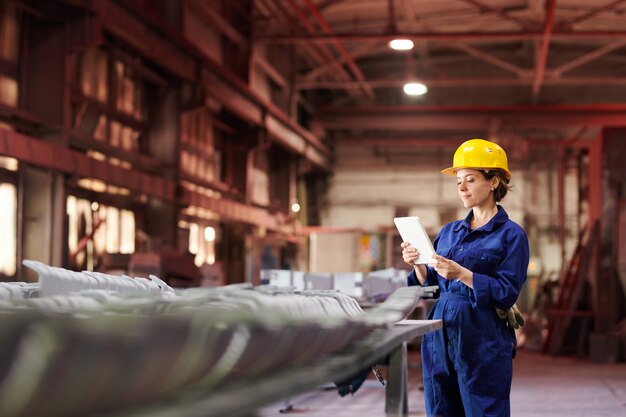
column 474, row 188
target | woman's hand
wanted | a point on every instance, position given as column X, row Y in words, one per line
column 449, row 269
column 409, row 253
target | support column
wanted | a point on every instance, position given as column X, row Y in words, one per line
column 42, row 209
column 161, row 216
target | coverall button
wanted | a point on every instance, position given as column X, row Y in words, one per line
column 461, row 249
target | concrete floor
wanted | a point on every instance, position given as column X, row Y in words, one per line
column 543, row 386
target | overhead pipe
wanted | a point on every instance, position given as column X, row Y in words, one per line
column 542, row 57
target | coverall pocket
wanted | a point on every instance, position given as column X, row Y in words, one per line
column 434, row 356
column 489, row 368
column 483, row 261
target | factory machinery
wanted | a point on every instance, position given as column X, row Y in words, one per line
column 87, row 343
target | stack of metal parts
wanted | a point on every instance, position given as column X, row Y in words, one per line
column 76, row 344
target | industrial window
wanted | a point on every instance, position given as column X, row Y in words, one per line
column 110, row 107
column 95, row 229
column 9, row 47
column 94, row 75
column 197, row 156
column 8, row 91
column 8, row 244
column 201, row 242
column 128, row 91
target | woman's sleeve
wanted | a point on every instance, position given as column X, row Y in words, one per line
column 431, row 274
column 502, row 289
column 431, row 278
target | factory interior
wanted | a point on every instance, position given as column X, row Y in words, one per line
column 197, row 200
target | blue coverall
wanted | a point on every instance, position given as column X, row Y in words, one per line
column 467, row 365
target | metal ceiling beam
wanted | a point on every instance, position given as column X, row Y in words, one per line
column 405, row 142
column 448, row 142
column 400, row 122
column 339, row 46
column 441, row 37
column 258, row 59
column 322, row 51
column 399, row 118
column 592, row 13
column 583, row 59
column 520, row 72
column 363, row 50
column 542, row 55
column 482, row 6
column 209, row 15
column 464, row 82
column 521, row 108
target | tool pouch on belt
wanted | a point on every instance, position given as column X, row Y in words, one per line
column 512, row 316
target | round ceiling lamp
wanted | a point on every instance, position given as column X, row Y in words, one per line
column 401, row 44
column 415, row 89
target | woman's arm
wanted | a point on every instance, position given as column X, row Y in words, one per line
column 420, row 271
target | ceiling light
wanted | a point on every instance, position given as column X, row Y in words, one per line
column 295, row 207
column 415, row 89
column 401, row 44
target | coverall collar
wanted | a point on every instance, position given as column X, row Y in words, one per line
column 500, row 217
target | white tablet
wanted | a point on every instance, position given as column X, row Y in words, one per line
column 412, row 230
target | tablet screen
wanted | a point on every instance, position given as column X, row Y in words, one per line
column 412, row 231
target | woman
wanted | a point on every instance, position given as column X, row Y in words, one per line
column 480, row 265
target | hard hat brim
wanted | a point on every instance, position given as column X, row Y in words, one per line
column 452, row 171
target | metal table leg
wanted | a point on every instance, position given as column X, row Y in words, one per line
column 396, row 403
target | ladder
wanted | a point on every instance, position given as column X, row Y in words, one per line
column 570, row 286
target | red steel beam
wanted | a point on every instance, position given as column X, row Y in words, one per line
column 593, row 13
column 233, row 210
column 441, row 37
column 469, row 119
column 519, row 108
column 583, row 59
column 61, row 159
column 164, row 45
column 462, row 82
column 407, row 142
column 542, row 56
column 323, row 49
column 340, row 48
column 499, row 12
column 319, row 52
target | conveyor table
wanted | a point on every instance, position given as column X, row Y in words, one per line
column 243, row 398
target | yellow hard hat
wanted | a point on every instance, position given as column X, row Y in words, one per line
column 479, row 154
